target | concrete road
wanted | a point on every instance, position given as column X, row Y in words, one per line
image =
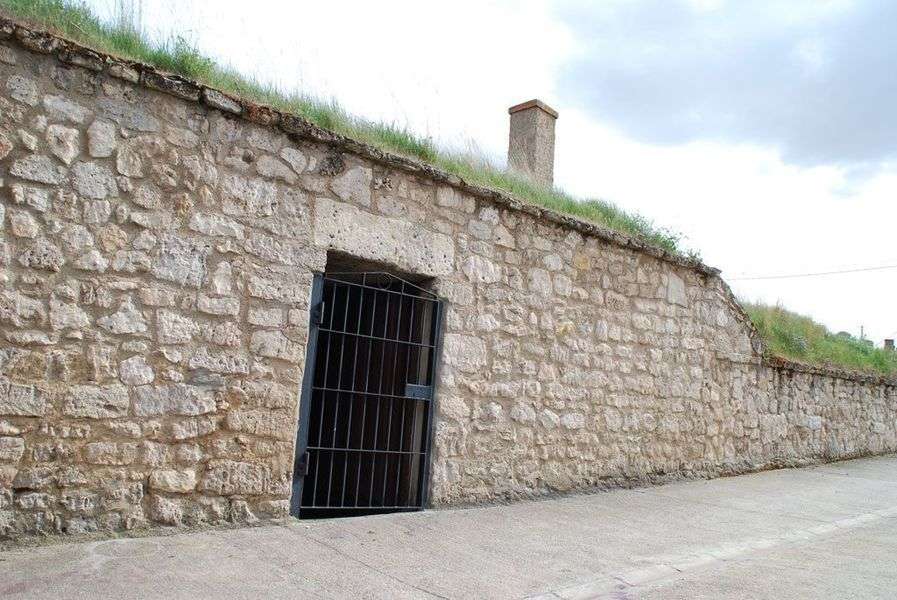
column 820, row 532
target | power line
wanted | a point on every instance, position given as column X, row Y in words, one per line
column 820, row 274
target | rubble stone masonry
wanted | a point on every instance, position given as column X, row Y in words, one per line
column 157, row 249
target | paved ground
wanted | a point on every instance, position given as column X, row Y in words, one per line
column 821, row 532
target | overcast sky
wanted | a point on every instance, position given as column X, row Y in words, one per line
column 764, row 131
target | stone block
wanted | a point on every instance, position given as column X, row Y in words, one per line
column 262, row 422
column 406, row 245
column 235, row 477
column 173, row 481
column 11, row 449
column 135, row 371
column 96, row 402
column 172, row 399
column 274, row 344
column 18, row 400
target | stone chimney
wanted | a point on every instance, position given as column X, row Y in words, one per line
column 531, row 142
column 889, row 345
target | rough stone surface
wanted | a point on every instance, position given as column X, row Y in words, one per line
column 135, row 371
column 155, row 306
column 348, row 229
column 93, row 180
column 101, row 139
column 35, row 167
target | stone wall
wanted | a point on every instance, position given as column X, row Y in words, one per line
column 157, row 252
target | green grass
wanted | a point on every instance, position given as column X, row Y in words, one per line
column 799, row 338
column 75, row 21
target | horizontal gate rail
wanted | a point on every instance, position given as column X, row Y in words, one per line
column 366, row 418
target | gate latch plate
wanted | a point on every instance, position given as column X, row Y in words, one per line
column 418, row 392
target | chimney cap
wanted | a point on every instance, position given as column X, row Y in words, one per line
column 534, row 103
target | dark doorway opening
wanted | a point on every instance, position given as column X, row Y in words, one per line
column 366, row 411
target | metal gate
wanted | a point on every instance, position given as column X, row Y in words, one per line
column 366, row 412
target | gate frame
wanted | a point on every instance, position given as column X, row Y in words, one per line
column 300, row 457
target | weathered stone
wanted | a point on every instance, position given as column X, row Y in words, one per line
column 97, row 211
column 166, row 511
column 347, row 229
column 5, row 146
column 181, row 260
column 250, row 197
column 36, row 198
column 22, row 89
column 174, row 328
column 265, row 317
column 110, row 453
column 41, row 254
column 36, row 167
column 220, row 362
column 129, row 115
column 262, row 422
column 218, row 306
column 101, row 139
column 549, row 419
column 95, row 402
column 94, row 180
column 223, row 334
column 91, row 261
column 11, row 449
column 135, row 371
column 75, row 238
column 64, row 142
column 573, row 421
column 30, row 337
column 126, row 320
column 274, row 344
column 539, row 281
column 17, row 308
column 297, row 161
column 353, row 186
column 466, row 353
column 61, row 108
column 234, row 477
column 22, row 224
column 481, row 270
column 192, row 428
column 180, row 137
column 131, row 261
column 222, row 279
column 18, row 400
column 211, row 224
column 221, row 101
column 128, row 161
column 676, row 290
column 64, row 315
column 169, row 480
column 172, row 399
column 268, row 166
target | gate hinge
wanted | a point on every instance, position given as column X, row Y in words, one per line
column 302, row 465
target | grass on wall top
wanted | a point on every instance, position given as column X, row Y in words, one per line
column 799, row 338
column 75, row 21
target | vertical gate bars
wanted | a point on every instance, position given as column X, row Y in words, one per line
column 408, row 382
